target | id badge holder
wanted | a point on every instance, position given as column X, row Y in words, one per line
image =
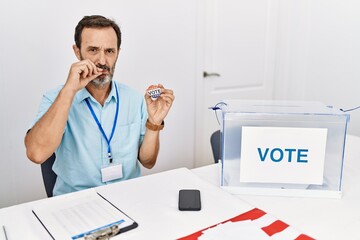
column 111, row 172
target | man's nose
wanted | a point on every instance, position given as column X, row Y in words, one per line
column 101, row 58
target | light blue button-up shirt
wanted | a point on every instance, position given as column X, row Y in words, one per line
column 83, row 151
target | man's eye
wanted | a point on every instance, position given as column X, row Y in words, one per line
column 110, row 51
column 93, row 50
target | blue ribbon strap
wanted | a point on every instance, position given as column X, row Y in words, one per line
column 108, row 140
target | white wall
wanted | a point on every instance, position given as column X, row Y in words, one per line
column 36, row 52
column 319, row 54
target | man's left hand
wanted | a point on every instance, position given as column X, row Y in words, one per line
column 159, row 107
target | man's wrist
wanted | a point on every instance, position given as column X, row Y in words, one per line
column 154, row 127
column 68, row 91
column 66, row 95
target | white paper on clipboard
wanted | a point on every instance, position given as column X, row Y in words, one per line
column 74, row 216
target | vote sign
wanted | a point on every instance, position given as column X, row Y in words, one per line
column 283, row 155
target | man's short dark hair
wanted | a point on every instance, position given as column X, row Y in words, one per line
column 96, row 21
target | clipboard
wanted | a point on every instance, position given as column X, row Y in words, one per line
column 87, row 215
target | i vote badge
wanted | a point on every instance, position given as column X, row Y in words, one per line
column 154, row 92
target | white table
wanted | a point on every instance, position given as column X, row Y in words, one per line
column 322, row 218
column 152, row 202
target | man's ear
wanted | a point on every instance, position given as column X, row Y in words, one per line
column 77, row 52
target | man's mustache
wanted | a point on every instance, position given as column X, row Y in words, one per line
column 103, row 67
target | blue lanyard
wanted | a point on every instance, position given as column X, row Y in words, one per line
column 99, row 124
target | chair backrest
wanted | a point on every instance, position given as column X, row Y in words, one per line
column 49, row 176
column 215, row 141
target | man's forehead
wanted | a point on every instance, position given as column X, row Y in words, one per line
column 99, row 37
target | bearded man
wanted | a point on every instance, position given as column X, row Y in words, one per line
column 100, row 130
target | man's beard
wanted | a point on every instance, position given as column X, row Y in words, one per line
column 101, row 80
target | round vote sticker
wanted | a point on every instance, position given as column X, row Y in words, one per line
column 154, row 92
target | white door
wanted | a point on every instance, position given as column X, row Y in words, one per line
column 239, row 43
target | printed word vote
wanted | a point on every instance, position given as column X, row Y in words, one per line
column 287, row 154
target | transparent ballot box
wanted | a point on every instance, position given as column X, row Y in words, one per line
column 282, row 148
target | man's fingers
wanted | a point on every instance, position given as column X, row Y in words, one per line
column 89, row 70
column 84, row 72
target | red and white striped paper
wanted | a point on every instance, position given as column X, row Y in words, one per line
column 273, row 227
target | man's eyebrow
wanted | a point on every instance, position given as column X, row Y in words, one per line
column 97, row 48
column 92, row 47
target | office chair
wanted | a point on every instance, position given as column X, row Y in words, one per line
column 215, row 141
column 49, row 176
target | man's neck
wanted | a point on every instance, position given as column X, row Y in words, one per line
column 100, row 93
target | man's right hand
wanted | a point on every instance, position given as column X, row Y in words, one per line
column 81, row 73
column 45, row 136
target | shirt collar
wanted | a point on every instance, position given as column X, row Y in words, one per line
column 84, row 94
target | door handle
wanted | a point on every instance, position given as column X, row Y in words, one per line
column 206, row 74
